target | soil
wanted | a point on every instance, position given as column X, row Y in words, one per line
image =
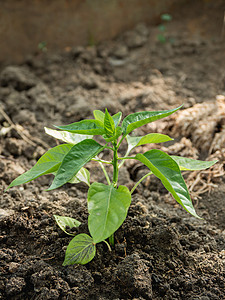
column 161, row 252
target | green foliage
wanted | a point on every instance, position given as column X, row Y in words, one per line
column 165, row 18
column 108, row 204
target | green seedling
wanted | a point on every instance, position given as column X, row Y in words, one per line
column 108, row 204
column 165, row 18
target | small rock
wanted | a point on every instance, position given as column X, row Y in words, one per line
column 15, row 285
column 120, row 51
column 5, row 213
column 13, row 267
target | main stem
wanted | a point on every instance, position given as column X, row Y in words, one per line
column 115, row 179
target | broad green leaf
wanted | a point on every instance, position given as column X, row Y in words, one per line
column 139, row 119
column 80, row 250
column 68, row 137
column 189, row 164
column 90, row 127
column 117, row 118
column 47, row 164
column 82, row 176
column 99, row 115
column 107, row 208
column 116, row 135
column 147, row 139
column 167, row 170
column 109, row 124
column 66, row 221
column 74, row 160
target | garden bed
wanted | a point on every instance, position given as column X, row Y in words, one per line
column 161, row 251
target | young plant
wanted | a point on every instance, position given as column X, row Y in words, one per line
column 165, row 18
column 108, row 204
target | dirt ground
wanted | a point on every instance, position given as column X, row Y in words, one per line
column 161, row 251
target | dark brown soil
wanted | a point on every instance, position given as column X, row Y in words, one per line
column 161, row 252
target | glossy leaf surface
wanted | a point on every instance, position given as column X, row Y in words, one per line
column 80, row 250
column 107, row 208
column 139, row 119
column 109, row 125
column 82, row 176
column 63, row 222
column 89, row 127
column 75, row 159
column 117, row 118
column 65, row 136
column 189, row 164
column 147, row 139
column 167, row 170
column 47, row 164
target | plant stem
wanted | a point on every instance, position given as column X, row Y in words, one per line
column 142, row 178
column 105, row 172
column 102, row 161
column 111, row 240
column 108, row 246
column 115, row 165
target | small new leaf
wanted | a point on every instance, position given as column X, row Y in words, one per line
column 66, row 221
column 80, row 250
column 109, row 125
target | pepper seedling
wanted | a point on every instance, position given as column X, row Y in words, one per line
column 108, row 204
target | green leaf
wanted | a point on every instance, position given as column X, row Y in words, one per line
column 74, row 160
column 147, row 139
column 68, row 137
column 90, row 127
column 82, row 176
column 109, row 124
column 166, row 17
column 99, row 115
column 66, row 221
column 80, row 250
column 139, row 119
column 117, row 118
column 116, row 135
column 107, row 208
column 189, row 164
column 167, row 170
column 47, row 164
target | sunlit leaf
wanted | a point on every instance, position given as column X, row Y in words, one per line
column 147, row 139
column 68, row 137
column 99, row 115
column 189, row 164
column 117, row 118
column 82, row 176
column 80, row 250
column 47, row 164
column 63, row 222
column 139, row 119
column 167, row 170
